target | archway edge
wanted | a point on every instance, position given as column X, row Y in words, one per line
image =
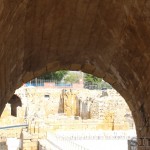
column 87, row 68
column 56, row 66
column 91, row 69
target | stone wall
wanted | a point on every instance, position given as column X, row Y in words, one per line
column 111, row 108
column 28, row 141
column 69, row 103
column 39, row 101
column 51, row 110
column 107, row 106
column 108, row 39
column 8, row 120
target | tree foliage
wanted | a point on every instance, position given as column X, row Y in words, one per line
column 91, row 78
column 58, row 75
column 72, row 77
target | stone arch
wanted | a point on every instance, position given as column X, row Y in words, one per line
column 88, row 68
column 107, row 75
column 14, row 101
column 109, row 39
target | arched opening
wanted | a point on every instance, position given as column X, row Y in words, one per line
column 111, row 76
column 108, row 76
column 111, row 120
column 109, row 39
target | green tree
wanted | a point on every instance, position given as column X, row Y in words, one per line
column 91, row 78
column 104, row 84
column 72, row 77
column 58, row 75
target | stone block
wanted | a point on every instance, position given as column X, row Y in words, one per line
column 26, row 136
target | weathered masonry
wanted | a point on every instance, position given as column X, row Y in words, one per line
column 109, row 39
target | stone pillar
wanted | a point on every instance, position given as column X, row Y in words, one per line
column 85, row 113
column 70, row 103
column 28, row 141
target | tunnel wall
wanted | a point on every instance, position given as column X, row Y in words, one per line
column 109, row 39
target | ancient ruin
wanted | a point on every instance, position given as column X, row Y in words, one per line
column 109, row 39
column 71, row 110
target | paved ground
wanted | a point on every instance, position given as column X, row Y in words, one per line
column 114, row 140
column 104, row 144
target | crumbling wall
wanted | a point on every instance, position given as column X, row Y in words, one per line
column 71, row 105
column 86, row 104
column 112, row 109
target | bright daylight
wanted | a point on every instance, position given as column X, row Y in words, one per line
column 67, row 110
column 74, row 74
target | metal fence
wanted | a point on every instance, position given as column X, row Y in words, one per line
column 62, row 144
column 97, row 86
column 37, row 82
column 40, row 82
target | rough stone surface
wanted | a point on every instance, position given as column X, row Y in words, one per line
column 107, row 109
column 107, row 38
column 70, row 103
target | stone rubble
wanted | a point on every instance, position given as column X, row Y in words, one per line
column 50, row 110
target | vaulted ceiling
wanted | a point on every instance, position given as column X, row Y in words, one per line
column 107, row 38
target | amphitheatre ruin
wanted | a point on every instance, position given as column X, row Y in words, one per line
column 109, row 39
column 72, row 111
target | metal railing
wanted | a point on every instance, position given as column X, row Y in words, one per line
column 97, row 86
column 57, row 143
column 40, row 82
column 132, row 144
column 14, row 126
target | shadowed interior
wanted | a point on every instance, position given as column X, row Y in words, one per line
column 109, row 39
